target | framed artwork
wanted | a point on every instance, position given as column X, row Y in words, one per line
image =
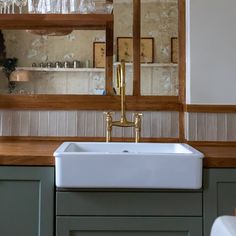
column 125, row 49
column 2, row 49
column 174, row 50
column 99, row 54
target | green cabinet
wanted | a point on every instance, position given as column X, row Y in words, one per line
column 219, row 195
column 129, row 226
column 127, row 213
column 26, row 201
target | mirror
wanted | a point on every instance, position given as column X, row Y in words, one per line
column 159, row 21
column 65, row 64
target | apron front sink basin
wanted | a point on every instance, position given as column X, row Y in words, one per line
column 128, row 165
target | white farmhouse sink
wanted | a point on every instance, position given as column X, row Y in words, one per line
column 128, row 165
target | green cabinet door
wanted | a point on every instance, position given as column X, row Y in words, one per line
column 219, row 195
column 128, row 226
column 26, row 201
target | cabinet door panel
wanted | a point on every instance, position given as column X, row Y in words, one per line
column 219, row 195
column 130, row 233
column 180, row 203
column 129, row 226
column 26, row 201
column 226, row 198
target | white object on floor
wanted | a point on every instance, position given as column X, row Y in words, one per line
column 224, row 226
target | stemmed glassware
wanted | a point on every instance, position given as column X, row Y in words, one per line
column 86, row 6
column 56, row 6
column 1, row 6
column 21, row 4
column 7, row 6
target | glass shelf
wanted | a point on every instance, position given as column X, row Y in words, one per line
column 61, row 69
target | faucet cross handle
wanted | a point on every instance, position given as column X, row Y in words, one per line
column 137, row 116
column 108, row 125
column 137, row 126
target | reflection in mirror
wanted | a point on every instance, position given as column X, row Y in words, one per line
column 57, row 65
column 159, row 21
column 123, row 28
column 51, row 60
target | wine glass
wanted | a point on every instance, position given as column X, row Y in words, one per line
column 20, row 4
column 45, row 6
column 86, row 6
column 7, row 6
column 1, row 6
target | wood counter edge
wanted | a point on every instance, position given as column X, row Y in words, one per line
column 211, row 160
column 26, row 160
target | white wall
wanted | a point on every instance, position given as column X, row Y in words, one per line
column 211, row 51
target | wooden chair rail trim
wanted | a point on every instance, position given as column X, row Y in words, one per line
column 89, row 102
column 42, row 21
column 210, row 108
column 84, row 139
column 212, row 143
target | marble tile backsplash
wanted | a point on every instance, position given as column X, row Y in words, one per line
column 83, row 124
column 211, row 126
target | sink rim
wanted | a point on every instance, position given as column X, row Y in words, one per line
column 61, row 150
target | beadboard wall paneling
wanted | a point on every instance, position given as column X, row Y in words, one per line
column 83, row 124
column 211, row 127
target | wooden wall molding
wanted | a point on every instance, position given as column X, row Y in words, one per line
column 85, row 139
column 210, row 108
column 212, row 143
column 89, row 102
column 182, row 64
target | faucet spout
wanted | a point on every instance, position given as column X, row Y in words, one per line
column 123, row 122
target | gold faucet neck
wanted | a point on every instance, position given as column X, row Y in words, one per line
column 123, row 122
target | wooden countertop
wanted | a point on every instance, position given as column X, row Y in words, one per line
column 33, row 153
column 222, row 156
column 40, row 153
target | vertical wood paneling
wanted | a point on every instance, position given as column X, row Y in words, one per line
column 174, row 132
column 100, row 121
column 192, row 126
column 211, row 127
column 52, row 128
column 146, row 123
column 61, row 123
column 83, row 123
column 34, row 123
column 24, row 123
column 156, row 125
column 231, row 126
column 71, row 126
column 221, row 126
column 116, row 131
column 43, row 123
column 90, row 124
column 7, row 123
column 128, row 132
column 201, row 126
column 165, row 124
column 16, row 123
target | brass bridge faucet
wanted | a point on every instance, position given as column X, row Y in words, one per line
column 123, row 122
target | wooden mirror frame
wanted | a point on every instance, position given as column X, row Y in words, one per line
column 94, row 102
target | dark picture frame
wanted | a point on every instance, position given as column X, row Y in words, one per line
column 125, row 49
column 174, row 50
column 99, row 54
